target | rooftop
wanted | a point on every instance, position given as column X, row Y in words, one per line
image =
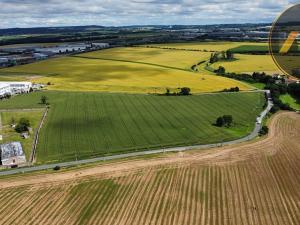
column 10, row 150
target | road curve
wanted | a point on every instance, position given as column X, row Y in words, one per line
column 251, row 136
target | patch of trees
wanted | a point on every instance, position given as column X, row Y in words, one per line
column 23, row 125
column 276, row 91
column 217, row 56
column 221, row 70
column 233, row 89
column 224, row 121
column 254, row 78
column 182, row 92
column 276, row 88
column 294, row 90
column 5, row 96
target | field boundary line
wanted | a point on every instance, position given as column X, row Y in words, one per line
column 24, row 110
column 134, row 62
column 36, row 137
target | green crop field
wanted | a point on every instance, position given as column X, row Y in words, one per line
column 82, row 125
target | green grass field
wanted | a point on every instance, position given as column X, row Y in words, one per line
column 291, row 101
column 83, row 125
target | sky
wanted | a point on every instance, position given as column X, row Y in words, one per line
column 44, row 13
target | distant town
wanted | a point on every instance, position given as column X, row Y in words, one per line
column 12, row 56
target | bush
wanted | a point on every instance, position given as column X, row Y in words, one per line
column 23, row 125
column 220, row 70
column 264, row 130
column 168, row 92
column 274, row 109
column 185, row 91
column 233, row 89
column 56, row 168
column 294, row 90
column 220, row 122
column 44, row 100
column 225, row 120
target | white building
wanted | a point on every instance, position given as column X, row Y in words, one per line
column 17, row 87
column 4, row 89
column 100, row 45
column 68, row 48
column 12, row 154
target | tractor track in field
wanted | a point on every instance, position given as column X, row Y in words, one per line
column 133, row 62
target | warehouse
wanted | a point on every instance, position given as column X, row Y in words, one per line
column 17, row 87
column 4, row 90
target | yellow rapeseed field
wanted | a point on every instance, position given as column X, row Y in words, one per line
column 208, row 46
column 172, row 58
column 135, row 69
column 250, row 63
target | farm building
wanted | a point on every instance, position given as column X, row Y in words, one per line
column 17, row 87
column 12, row 154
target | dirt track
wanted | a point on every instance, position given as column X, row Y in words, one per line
column 217, row 156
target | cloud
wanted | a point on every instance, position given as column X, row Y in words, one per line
column 34, row 13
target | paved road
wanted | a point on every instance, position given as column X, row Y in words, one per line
column 251, row 136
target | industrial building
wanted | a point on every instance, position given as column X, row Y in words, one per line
column 12, row 88
column 4, row 90
column 12, row 154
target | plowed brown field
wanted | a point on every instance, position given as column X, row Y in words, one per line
column 253, row 183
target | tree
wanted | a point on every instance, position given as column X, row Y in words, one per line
column 274, row 109
column 23, row 125
column 168, row 92
column 220, row 122
column 264, row 130
column 294, row 89
column 236, row 89
column 213, row 58
column 185, row 91
column 220, row 70
column 44, row 100
column 228, row 119
column 229, row 55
